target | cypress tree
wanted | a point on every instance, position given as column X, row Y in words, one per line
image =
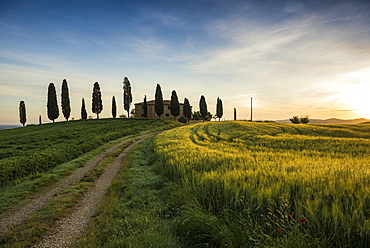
column 83, row 110
column 40, row 122
column 127, row 96
column 187, row 109
column 219, row 108
column 158, row 104
column 145, row 108
column 175, row 105
column 114, row 107
column 66, row 107
column 203, row 107
column 97, row 103
column 52, row 105
column 234, row 114
column 22, row 113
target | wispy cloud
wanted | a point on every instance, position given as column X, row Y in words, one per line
column 294, row 54
column 302, row 40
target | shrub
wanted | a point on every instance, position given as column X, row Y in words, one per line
column 182, row 119
column 295, row 120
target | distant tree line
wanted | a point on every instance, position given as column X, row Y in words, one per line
column 97, row 104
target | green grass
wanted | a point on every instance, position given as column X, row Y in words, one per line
column 12, row 196
column 35, row 149
column 19, row 192
column 136, row 212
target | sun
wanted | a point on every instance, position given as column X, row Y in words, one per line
column 352, row 92
column 357, row 97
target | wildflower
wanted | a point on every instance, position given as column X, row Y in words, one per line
column 303, row 220
column 280, row 229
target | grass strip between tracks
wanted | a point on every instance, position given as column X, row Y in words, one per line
column 136, row 211
column 30, row 232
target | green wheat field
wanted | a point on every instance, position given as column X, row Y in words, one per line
column 283, row 184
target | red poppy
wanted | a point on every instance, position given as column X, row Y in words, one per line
column 303, row 220
column 279, row 230
column 291, row 215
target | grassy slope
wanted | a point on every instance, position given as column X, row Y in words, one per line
column 14, row 195
column 18, row 192
column 34, row 149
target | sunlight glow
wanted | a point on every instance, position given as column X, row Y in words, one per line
column 355, row 91
column 357, row 97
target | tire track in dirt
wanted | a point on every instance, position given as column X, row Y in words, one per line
column 16, row 218
column 70, row 227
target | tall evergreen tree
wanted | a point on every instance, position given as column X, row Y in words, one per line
column 234, row 114
column 52, row 105
column 83, row 110
column 127, row 96
column 40, row 122
column 219, row 109
column 97, row 103
column 66, row 107
column 145, row 108
column 114, row 107
column 22, row 113
column 187, row 109
column 203, row 107
column 158, row 104
column 175, row 105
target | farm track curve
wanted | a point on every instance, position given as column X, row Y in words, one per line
column 16, row 218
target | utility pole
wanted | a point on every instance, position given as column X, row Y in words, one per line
column 251, row 109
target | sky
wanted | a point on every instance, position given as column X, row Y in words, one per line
column 306, row 58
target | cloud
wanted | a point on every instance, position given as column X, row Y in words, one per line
column 301, row 40
column 291, row 56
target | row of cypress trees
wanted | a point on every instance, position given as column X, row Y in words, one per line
column 97, row 104
column 52, row 103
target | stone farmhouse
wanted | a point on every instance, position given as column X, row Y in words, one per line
column 139, row 110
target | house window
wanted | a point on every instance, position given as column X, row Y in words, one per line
column 167, row 114
column 142, row 106
column 142, row 115
column 169, row 107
